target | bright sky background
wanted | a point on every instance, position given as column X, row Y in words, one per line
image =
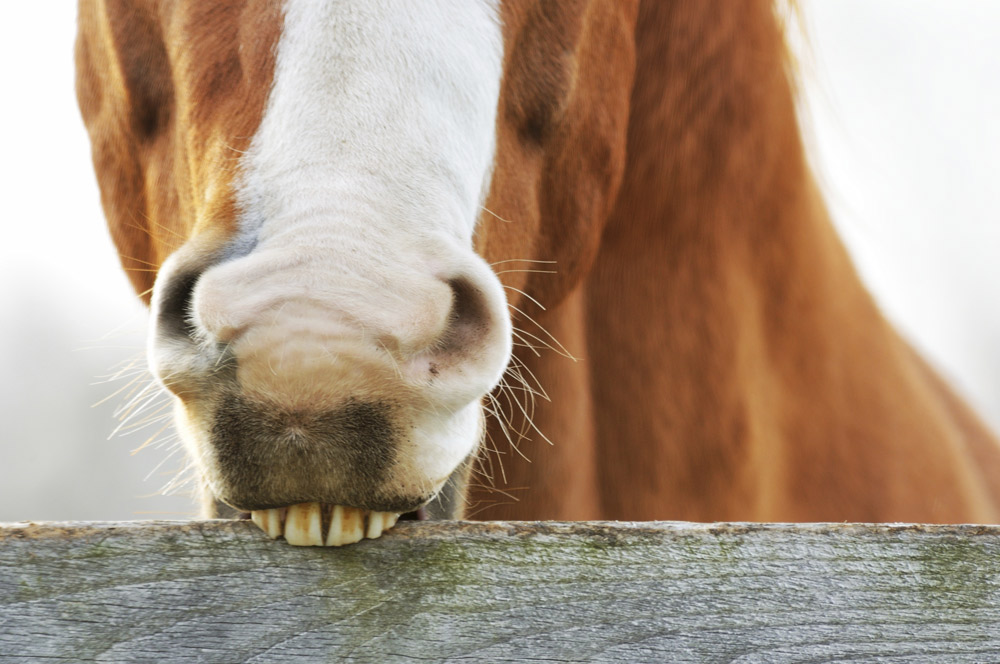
column 903, row 105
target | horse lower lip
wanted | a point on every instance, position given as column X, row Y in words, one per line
column 320, row 524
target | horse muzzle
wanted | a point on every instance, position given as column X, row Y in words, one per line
column 326, row 411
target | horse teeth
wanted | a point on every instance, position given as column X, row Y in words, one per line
column 379, row 522
column 374, row 525
column 352, row 526
column 304, row 524
column 269, row 521
column 335, row 536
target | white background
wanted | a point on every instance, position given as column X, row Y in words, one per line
column 903, row 119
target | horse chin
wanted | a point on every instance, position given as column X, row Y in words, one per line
column 339, row 476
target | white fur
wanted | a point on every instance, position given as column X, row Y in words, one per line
column 393, row 100
column 359, row 197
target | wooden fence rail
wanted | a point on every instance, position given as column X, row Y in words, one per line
column 220, row 591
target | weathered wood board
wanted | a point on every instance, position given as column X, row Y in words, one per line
column 220, row 591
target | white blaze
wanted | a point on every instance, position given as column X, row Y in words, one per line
column 358, row 200
column 370, row 166
column 386, row 105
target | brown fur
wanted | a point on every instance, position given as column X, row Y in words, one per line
column 731, row 364
column 737, row 369
column 171, row 93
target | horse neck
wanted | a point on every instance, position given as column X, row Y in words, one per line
column 714, row 146
column 718, row 179
column 771, row 357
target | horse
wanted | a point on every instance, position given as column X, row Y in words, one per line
column 503, row 259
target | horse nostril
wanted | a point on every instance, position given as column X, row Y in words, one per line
column 173, row 313
column 469, row 318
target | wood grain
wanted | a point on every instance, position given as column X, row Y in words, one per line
column 219, row 591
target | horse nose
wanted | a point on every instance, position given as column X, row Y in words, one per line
column 294, row 327
column 470, row 351
column 266, row 353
